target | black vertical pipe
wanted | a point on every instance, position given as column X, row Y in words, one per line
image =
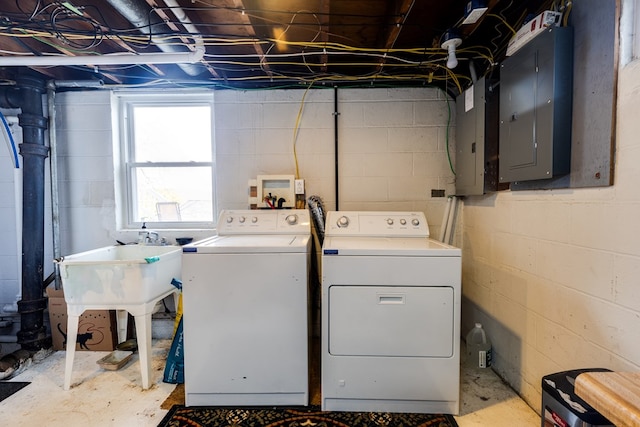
column 335, row 138
column 27, row 95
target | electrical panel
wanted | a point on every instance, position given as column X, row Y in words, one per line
column 536, row 86
column 477, row 139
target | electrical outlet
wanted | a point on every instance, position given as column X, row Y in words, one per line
column 299, row 186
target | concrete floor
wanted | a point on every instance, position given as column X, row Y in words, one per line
column 115, row 398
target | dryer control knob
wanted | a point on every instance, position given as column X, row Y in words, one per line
column 241, row 220
column 390, row 221
column 343, row 221
column 292, row 219
column 229, row 219
column 403, row 221
column 415, row 222
column 254, row 219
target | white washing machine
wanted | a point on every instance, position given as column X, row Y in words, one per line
column 390, row 315
column 245, row 311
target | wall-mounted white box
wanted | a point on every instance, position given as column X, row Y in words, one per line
column 276, row 187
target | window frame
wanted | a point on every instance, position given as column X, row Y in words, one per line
column 124, row 155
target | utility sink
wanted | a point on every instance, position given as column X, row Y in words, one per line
column 126, row 278
column 123, row 274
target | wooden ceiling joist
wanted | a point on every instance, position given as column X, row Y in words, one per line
column 325, row 11
column 398, row 18
column 251, row 32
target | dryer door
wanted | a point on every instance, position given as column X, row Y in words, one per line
column 391, row 321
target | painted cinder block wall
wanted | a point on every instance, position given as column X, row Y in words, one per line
column 391, row 146
column 555, row 275
column 8, row 249
column 391, row 154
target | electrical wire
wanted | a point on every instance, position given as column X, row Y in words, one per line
column 279, row 40
column 59, row 20
column 446, row 96
column 504, row 21
column 210, row 6
column 568, row 4
column 392, row 60
column 57, row 25
column 342, row 50
column 296, row 129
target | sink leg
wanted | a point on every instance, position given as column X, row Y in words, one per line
column 72, row 335
column 143, row 333
column 122, row 318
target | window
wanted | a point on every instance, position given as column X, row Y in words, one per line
column 166, row 161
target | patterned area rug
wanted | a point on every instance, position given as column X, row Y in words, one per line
column 180, row 416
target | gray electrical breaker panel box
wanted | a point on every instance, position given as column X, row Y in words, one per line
column 477, row 139
column 536, row 86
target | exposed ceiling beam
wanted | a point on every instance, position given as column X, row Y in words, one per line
column 325, row 9
column 398, row 18
column 123, row 45
column 251, row 32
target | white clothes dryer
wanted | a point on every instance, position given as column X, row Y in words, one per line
column 390, row 315
column 245, row 311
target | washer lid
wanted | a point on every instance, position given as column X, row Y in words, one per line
column 388, row 246
column 276, row 243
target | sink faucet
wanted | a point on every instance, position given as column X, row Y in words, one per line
column 147, row 237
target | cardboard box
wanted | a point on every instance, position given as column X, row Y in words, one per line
column 97, row 329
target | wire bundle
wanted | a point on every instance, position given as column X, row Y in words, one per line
column 268, row 60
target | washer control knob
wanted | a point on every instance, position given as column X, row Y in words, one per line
column 390, row 221
column 343, row 221
column 254, row 219
column 415, row 222
column 403, row 221
column 229, row 219
column 241, row 220
column 292, row 219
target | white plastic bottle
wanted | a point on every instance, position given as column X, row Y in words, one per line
column 479, row 352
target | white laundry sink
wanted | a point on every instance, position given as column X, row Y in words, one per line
column 119, row 275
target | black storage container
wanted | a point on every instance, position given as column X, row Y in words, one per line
column 561, row 407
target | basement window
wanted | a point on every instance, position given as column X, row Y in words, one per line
column 166, row 163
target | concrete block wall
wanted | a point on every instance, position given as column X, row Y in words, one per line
column 391, row 154
column 555, row 275
column 254, row 136
column 391, row 146
column 9, row 268
column 86, row 134
column 393, row 150
column 85, row 170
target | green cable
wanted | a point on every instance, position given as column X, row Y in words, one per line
column 447, row 138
